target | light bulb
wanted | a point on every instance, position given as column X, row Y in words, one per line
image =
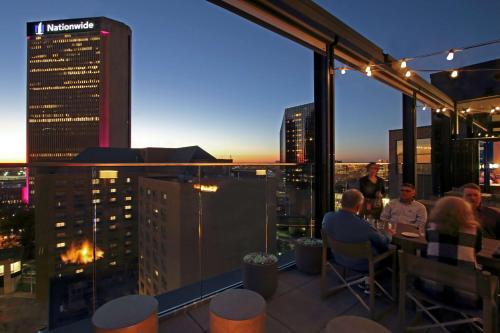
column 463, row 111
column 454, row 74
column 408, row 73
column 468, row 110
column 438, row 110
column 444, row 109
column 342, row 71
column 497, row 108
column 368, row 69
column 369, row 73
column 450, row 55
column 492, row 111
column 424, row 107
column 403, row 64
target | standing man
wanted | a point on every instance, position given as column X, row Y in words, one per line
column 489, row 218
column 405, row 209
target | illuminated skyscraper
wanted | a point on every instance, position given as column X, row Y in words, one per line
column 78, row 87
column 297, row 134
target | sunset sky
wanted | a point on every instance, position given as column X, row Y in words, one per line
column 204, row 76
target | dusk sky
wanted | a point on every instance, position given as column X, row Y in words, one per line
column 204, row 76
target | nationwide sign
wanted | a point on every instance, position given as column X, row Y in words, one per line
column 57, row 27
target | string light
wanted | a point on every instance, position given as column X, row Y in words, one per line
column 444, row 109
column 492, row 111
column 403, row 63
column 342, row 71
column 438, row 110
column 497, row 108
column 454, row 73
column 463, row 111
column 424, row 107
column 451, row 54
column 468, row 110
column 368, row 71
column 408, row 73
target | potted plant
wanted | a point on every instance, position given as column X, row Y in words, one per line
column 260, row 273
column 308, row 255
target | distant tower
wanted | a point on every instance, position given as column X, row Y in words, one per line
column 78, row 87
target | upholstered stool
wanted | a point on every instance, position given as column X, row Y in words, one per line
column 128, row 314
column 237, row 311
column 354, row 324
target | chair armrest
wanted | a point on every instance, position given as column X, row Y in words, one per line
column 390, row 252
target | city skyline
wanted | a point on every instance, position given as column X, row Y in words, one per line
column 202, row 76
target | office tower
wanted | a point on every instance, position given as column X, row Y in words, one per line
column 297, row 134
column 78, row 87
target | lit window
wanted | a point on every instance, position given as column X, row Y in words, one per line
column 157, row 273
column 128, row 180
column 128, row 207
column 113, row 190
column 128, row 216
column 108, row 174
column 78, row 271
column 112, row 227
column 97, row 219
column 1, row 270
column 59, row 245
column 96, row 191
column 128, row 198
column 96, row 201
column 113, row 263
column 95, row 181
column 15, row 267
column 112, row 218
column 60, row 224
column 112, row 181
column 113, row 199
column 164, row 196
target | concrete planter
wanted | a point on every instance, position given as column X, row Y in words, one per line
column 261, row 278
column 308, row 258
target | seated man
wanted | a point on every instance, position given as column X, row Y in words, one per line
column 405, row 209
column 488, row 218
column 346, row 226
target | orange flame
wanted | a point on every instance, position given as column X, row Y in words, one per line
column 81, row 254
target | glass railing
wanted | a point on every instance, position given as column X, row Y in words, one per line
column 94, row 232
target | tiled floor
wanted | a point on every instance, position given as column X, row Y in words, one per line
column 296, row 307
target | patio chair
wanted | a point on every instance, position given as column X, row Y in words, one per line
column 356, row 251
column 478, row 282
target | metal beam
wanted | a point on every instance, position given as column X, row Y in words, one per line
column 409, row 139
column 324, row 137
column 310, row 25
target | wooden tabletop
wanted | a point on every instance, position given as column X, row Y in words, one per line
column 413, row 245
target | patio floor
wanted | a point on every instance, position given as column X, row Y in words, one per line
column 296, row 307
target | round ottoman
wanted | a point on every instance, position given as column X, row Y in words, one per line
column 237, row 311
column 354, row 324
column 130, row 314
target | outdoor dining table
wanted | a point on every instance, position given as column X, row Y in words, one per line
column 417, row 244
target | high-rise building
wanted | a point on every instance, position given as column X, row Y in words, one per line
column 78, row 87
column 297, row 134
column 297, row 142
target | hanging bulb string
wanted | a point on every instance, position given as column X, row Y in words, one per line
column 405, row 60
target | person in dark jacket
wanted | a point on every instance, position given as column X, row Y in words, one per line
column 489, row 218
column 373, row 189
column 346, row 226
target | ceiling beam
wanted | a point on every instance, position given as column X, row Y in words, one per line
column 306, row 23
